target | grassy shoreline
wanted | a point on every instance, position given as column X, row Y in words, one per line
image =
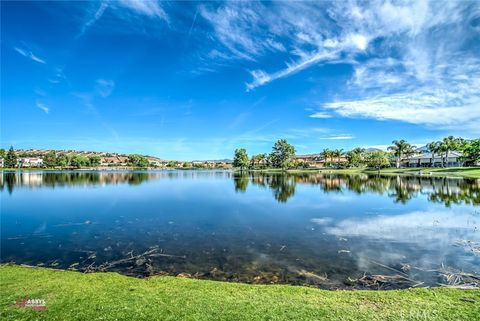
column 469, row 172
column 109, row 296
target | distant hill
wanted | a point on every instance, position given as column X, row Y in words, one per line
column 422, row 149
column 119, row 159
column 225, row 160
column 107, row 158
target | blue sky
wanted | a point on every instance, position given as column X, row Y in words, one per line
column 193, row 80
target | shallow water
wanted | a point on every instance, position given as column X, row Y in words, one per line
column 330, row 231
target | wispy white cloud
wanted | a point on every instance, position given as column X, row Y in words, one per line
column 295, row 133
column 338, row 137
column 261, row 78
column 29, row 54
column 94, row 18
column 104, row 87
column 43, row 107
column 132, row 12
column 150, row 8
column 412, row 61
column 413, row 108
column 320, row 114
column 58, row 76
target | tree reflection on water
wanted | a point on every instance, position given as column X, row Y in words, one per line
column 401, row 188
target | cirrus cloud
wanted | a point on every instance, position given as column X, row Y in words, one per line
column 414, row 61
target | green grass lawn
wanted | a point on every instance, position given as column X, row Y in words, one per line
column 109, row 296
column 471, row 172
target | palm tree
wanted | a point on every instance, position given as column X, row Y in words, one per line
column 434, row 147
column 449, row 144
column 262, row 159
column 326, row 153
column 337, row 153
column 400, row 148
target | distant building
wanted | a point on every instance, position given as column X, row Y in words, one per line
column 430, row 160
column 30, row 162
column 318, row 161
column 313, row 160
column 1, row 162
column 156, row 162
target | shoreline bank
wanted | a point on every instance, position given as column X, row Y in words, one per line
column 73, row 295
column 467, row 172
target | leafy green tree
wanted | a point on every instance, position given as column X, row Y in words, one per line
column 2, row 153
column 63, row 161
column 94, row 160
column 471, row 152
column 172, row 164
column 434, row 148
column 11, row 158
column 50, row 159
column 240, row 158
column 137, row 160
column 282, row 155
column 78, row 161
column 400, row 148
column 377, row 160
column 355, row 157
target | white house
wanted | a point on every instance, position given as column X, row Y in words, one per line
column 30, row 162
column 435, row 160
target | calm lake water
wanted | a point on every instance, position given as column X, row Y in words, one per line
column 330, row 231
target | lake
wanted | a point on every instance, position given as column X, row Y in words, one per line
column 324, row 230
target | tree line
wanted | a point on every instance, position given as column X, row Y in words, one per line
column 52, row 160
column 283, row 155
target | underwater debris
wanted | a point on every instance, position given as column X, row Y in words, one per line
column 54, row 263
column 406, row 267
column 469, row 246
column 311, row 275
column 384, row 282
column 133, row 260
column 458, row 279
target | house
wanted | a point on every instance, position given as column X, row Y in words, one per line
column 313, row 160
column 30, row 162
column 318, row 161
column 156, row 162
column 1, row 162
column 429, row 160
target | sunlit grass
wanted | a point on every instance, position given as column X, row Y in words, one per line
column 472, row 172
column 109, row 296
